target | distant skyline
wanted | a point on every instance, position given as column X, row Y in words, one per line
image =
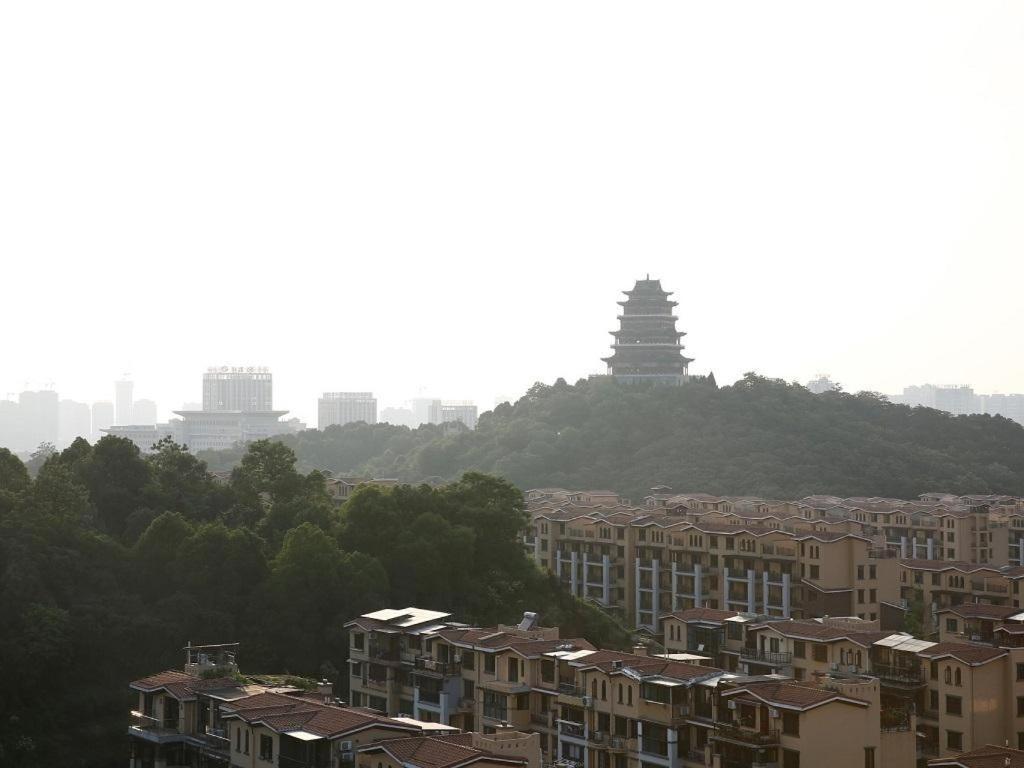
column 375, row 200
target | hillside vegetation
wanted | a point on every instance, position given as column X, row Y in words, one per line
column 758, row 436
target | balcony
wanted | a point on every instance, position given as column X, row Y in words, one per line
column 571, row 729
column 496, row 713
column 384, row 653
column 910, row 676
column 380, row 683
column 213, row 740
column 156, row 730
column 983, row 586
column 776, row 658
column 425, row 664
column 569, row 689
column 894, row 720
column 430, row 696
column 543, row 719
column 746, row 736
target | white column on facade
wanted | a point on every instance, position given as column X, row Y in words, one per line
column 636, row 595
column 725, row 584
column 697, row 585
column 606, row 573
column 764, row 590
column 574, row 577
column 785, row 595
column 656, row 593
column 751, row 587
column 1020, row 551
column 558, row 563
column 675, row 590
column 672, row 742
column 931, row 548
column 584, row 577
column 903, row 547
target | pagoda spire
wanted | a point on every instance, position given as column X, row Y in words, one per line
column 647, row 345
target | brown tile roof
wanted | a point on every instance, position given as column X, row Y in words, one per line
column 966, row 652
column 1011, row 629
column 284, row 713
column 989, row 756
column 181, row 685
column 438, row 751
column 493, row 639
column 981, row 611
column 701, row 614
column 792, row 694
column 644, row 665
column 813, row 630
column 945, row 565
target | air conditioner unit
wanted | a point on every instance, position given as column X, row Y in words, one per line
column 774, row 714
column 347, row 757
column 457, row 658
column 587, row 701
column 345, row 746
column 732, row 704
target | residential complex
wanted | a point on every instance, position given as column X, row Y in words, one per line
column 962, row 400
column 818, row 556
column 335, row 408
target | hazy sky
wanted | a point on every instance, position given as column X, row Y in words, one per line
column 450, row 196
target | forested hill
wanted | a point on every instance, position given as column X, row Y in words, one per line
column 758, row 436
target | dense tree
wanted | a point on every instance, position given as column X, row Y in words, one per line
column 116, row 476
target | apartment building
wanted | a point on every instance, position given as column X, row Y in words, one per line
column 989, row 756
column 645, row 565
column 208, row 715
column 420, row 663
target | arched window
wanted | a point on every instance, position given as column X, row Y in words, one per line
column 593, row 687
column 948, row 675
column 629, row 695
column 604, row 690
column 959, row 679
column 620, row 693
column 858, row 658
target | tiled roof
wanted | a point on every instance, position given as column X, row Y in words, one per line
column 946, row 565
column 181, row 685
column 493, row 639
column 813, row 630
column 284, row 713
column 989, row 756
column 792, row 694
column 438, row 751
column 968, row 653
column 701, row 614
column 981, row 611
column 617, row 661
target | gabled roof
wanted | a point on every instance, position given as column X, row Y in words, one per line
column 641, row 667
column 791, row 694
column 288, row 713
column 700, row 615
column 968, row 653
column 183, row 686
column 492, row 639
column 438, row 751
column 989, row 756
column 981, row 611
column 822, row 633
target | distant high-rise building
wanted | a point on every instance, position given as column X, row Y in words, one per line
column 248, row 389
column 74, row 420
column 822, row 384
column 346, row 407
column 958, row 400
column 462, row 412
column 143, row 413
column 399, row 417
column 40, row 413
column 426, row 410
column 123, row 399
column 1009, row 406
column 647, row 345
column 102, row 418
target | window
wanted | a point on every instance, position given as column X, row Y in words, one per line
column 791, row 723
column 860, row 573
column 799, row 649
column 955, row 740
column 1020, row 671
column 489, row 664
column 815, row 572
column 820, row 652
column 547, row 670
column 358, row 641
column 266, row 747
column 238, row 738
column 860, row 595
column 1020, row 706
column 934, row 669
column 620, row 693
column 790, row 759
column 948, row 675
column 951, row 625
column 629, row 695
column 872, row 571
column 933, row 700
column 468, row 691
column 957, row 679
column 468, row 660
column 246, row 750
column 954, row 706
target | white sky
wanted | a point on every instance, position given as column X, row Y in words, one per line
column 450, row 196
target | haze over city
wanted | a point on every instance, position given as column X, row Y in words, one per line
column 841, row 202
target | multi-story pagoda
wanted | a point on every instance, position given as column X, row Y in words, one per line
column 647, row 345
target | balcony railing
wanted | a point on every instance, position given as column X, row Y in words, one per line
column 541, row 718
column 575, row 730
column 384, row 653
column 444, row 668
column 495, row 713
column 768, row 657
column 895, row 720
column 747, row 736
column 895, row 674
column 651, row 746
column 430, row 696
column 375, row 682
column 983, row 586
column 569, row 689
